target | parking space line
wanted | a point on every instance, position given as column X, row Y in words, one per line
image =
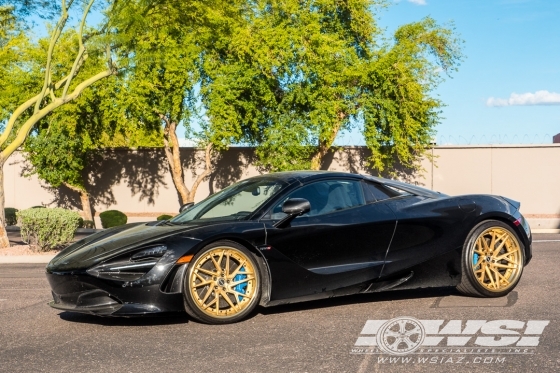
column 546, row 240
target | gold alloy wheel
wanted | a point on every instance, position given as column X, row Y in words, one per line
column 496, row 259
column 223, row 282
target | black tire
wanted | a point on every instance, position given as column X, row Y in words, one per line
column 492, row 260
column 226, row 294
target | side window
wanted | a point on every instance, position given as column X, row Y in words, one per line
column 325, row 197
column 376, row 192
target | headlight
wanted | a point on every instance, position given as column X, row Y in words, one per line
column 131, row 268
column 151, row 252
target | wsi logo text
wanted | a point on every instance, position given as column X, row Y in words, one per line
column 405, row 335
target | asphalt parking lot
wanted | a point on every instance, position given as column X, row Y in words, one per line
column 316, row 336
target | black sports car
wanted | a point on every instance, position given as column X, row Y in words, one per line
column 290, row 237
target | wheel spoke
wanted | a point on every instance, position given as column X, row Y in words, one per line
column 224, row 295
column 204, row 283
column 395, row 344
column 484, row 243
column 416, row 330
column 402, row 326
column 217, row 298
column 206, row 296
column 216, row 264
column 479, row 248
column 501, row 245
column 227, row 264
column 479, row 262
column 212, row 302
column 248, row 278
column 498, row 274
column 492, row 242
column 391, row 333
column 236, row 293
column 204, row 271
column 499, row 265
column 490, row 277
column 237, row 269
column 407, row 341
column 505, row 256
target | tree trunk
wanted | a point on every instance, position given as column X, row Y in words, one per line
column 325, row 145
column 84, row 197
column 173, row 154
column 207, row 171
column 4, row 240
column 86, row 206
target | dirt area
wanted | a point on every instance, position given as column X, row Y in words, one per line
column 23, row 250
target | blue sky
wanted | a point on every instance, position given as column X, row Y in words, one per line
column 512, row 50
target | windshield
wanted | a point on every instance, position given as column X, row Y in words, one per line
column 236, row 202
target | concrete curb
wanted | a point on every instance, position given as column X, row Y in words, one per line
column 537, row 231
column 15, row 228
column 25, row 259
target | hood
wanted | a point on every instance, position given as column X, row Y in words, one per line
column 111, row 242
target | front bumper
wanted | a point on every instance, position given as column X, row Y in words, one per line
column 81, row 292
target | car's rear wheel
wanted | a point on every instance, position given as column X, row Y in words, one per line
column 493, row 259
column 222, row 283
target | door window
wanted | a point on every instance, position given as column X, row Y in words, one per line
column 325, row 197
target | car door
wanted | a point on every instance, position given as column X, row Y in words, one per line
column 341, row 242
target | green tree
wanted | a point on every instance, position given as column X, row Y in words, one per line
column 58, row 87
column 300, row 72
column 61, row 145
column 169, row 41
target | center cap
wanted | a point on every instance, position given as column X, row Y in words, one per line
column 488, row 259
column 221, row 281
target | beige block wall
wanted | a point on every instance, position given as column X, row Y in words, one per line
column 138, row 182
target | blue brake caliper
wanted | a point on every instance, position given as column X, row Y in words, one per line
column 240, row 288
column 475, row 259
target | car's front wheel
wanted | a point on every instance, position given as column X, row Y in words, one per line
column 493, row 259
column 222, row 283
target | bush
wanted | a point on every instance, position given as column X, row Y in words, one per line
column 164, row 217
column 10, row 214
column 46, row 229
column 88, row 224
column 112, row 218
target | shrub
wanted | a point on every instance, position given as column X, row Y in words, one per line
column 46, row 229
column 10, row 214
column 112, row 218
column 89, row 224
column 164, row 217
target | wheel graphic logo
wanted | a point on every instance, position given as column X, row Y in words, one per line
column 401, row 336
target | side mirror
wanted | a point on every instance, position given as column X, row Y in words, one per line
column 293, row 207
column 186, row 206
column 296, row 206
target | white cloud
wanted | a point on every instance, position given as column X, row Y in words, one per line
column 523, row 99
column 418, row 2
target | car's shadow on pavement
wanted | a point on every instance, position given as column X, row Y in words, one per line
column 151, row 320
column 361, row 298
